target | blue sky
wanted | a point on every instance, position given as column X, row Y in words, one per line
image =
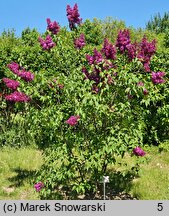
column 19, row 14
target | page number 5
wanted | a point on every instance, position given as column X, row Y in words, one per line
column 160, row 207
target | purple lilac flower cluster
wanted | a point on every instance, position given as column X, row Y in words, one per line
column 46, row 44
column 38, row 186
column 143, row 51
column 124, row 44
column 53, row 27
column 95, row 59
column 73, row 16
column 123, row 40
column 100, row 63
column 11, row 84
column 80, row 42
column 132, row 51
column 95, row 75
column 73, row 120
column 17, row 97
column 25, row 75
column 138, row 151
column 109, row 50
column 14, row 67
column 157, row 77
column 146, row 51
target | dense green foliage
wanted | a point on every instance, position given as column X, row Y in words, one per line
column 115, row 116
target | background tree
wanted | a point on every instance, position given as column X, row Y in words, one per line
column 158, row 23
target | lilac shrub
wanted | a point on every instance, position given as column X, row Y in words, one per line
column 87, row 108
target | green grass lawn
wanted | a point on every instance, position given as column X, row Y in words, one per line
column 153, row 183
column 18, row 167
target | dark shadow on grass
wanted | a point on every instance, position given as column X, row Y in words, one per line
column 117, row 189
column 22, row 176
column 120, row 185
column 120, row 181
